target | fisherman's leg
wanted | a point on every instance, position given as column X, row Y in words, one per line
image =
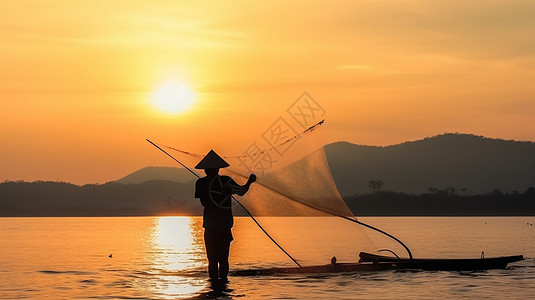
column 224, row 254
column 211, row 253
column 223, row 260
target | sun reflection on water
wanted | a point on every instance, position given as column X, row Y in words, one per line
column 177, row 257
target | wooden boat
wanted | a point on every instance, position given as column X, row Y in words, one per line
column 452, row 264
column 371, row 262
column 330, row 268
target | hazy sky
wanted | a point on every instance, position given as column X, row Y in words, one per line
column 76, row 77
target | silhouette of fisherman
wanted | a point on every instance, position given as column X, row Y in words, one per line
column 215, row 192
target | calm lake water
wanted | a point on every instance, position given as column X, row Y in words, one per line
column 163, row 258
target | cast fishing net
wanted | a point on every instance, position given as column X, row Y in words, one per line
column 295, row 201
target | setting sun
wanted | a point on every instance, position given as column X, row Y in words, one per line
column 173, row 98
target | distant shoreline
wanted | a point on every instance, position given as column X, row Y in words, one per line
column 165, row 198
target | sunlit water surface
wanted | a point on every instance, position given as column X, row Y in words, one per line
column 163, row 258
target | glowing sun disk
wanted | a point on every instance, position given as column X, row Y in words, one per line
column 173, row 98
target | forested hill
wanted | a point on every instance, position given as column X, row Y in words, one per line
column 463, row 163
column 157, row 197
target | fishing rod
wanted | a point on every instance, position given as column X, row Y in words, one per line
column 196, row 175
column 246, row 210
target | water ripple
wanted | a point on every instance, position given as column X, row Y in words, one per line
column 66, row 272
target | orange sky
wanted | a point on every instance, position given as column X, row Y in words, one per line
column 76, row 77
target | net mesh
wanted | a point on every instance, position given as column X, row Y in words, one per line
column 296, row 202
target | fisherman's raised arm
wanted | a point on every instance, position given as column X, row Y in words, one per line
column 240, row 190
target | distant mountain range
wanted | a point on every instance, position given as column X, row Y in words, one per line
column 158, row 173
column 467, row 163
column 419, row 178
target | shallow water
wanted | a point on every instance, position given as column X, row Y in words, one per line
column 163, row 258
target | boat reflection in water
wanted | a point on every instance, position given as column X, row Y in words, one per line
column 176, row 256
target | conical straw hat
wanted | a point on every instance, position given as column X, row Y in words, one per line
column 212, row 161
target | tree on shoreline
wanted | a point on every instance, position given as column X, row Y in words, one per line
column 375, row 185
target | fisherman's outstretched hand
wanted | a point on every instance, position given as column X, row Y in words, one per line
column 252, row 178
